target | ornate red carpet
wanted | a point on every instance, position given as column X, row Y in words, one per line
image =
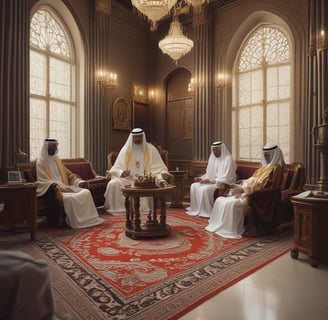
column 131, row 266
column 100, row 273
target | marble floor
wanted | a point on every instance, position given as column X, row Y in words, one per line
column 285, row 289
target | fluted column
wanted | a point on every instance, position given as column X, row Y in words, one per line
column 312, row 163
column 202, row 76
column 322, row 54
column 317, row 83
column 97, row 111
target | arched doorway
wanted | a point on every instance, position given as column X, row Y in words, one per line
column 179, row 115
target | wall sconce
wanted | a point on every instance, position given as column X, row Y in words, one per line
column 322, row 40
column 193, row 84
column 151, row 95
column 107, row 79
column 221, row 80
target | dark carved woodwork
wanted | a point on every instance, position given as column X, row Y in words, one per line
column 310, row 228
column 151, row 227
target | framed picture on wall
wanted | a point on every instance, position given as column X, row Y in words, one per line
column 121, row 114
column 139, row 93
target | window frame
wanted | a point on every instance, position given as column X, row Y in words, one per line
column 69, row 26
column 235, row 109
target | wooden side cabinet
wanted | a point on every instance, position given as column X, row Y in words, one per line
column 310, row 228
column 180, row 178
column 19, row 207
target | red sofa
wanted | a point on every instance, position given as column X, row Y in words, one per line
column 50, row 204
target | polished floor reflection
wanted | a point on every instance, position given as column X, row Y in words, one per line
column 285, row 289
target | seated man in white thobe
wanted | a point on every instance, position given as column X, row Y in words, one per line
column 221, row 168
column 25, row 290
column 227, row 217
column 136, row 158
column 79, row 207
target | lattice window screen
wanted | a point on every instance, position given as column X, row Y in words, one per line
column 52, row 98
column 262, row 110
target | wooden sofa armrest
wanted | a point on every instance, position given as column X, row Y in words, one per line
column 92, row 181
column 111, row 157
column 287, row 194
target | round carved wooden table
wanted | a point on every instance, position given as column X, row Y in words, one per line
column 152, row 227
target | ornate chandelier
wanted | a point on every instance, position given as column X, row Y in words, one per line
column 175, row 44
column 154, row 10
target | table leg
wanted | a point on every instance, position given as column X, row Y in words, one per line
column 128, row 223
column 314, row 261
column 155, row 200
column 137, row 220
column 163, row 213
column 294, row 253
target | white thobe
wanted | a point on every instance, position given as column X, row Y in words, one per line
column 114, row 199
column 219, row 170
column 80, row 209
column 202, row 196
column 79, row 206
column 150, row 162
column 228, row 220
column 227, row 216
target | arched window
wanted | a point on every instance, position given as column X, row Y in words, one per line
column 52, row 83
column 262, row 110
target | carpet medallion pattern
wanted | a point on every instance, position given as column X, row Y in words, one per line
column 159, row 278
column 132, row 265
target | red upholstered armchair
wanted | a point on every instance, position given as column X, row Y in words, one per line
column 94, row 182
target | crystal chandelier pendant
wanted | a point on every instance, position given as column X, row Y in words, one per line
column 175, row 44
column 154, row 10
